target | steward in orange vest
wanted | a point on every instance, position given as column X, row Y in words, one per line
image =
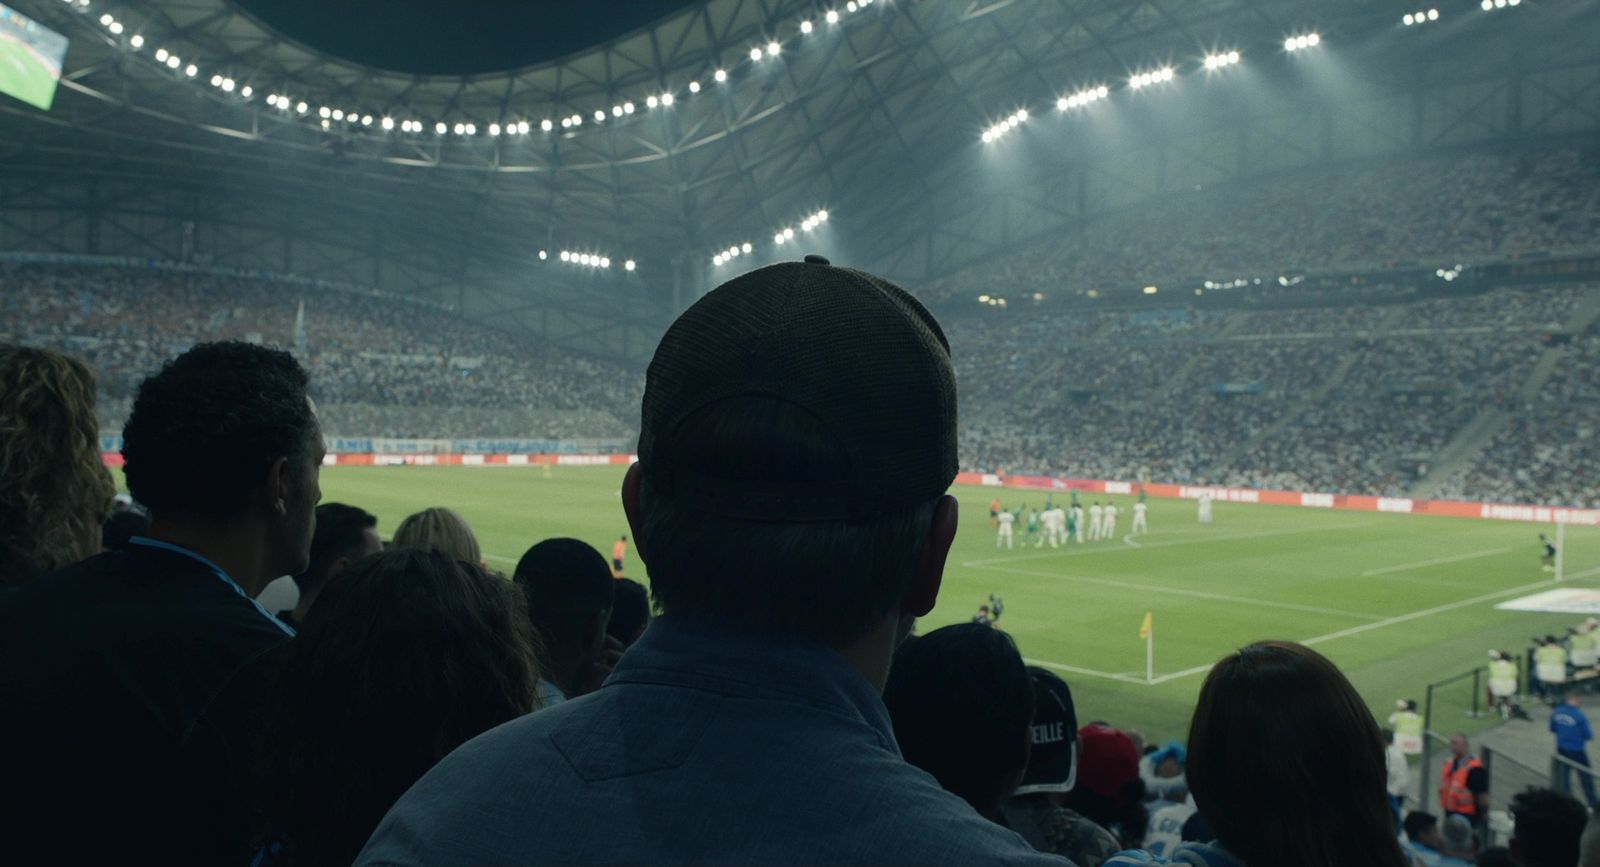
column 1456, row 785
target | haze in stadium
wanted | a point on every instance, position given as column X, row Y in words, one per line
column 1269, row 319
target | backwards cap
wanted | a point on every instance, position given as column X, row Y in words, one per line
column 1053, row 764
column 854, row 351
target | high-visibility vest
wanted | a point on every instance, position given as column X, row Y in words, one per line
column 1407, row 723
column 1551, row 661
column 1584, row 645
column 1454, row 796
column 1502, row 669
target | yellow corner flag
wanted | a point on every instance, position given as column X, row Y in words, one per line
column 1148, row 626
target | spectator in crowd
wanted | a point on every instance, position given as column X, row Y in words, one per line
column 1286, row 765
column 1038, row 811
column 569, row 593
column 1547, row 829
column 344, row 535
column 405, row 657
column 1460, row 839
column 1426, row 842
column 630, row 614
column 1464, row 784
column 121, row 527
column 439, row 529
column 1161, row 768
column 1173, row 810
column 962, row 703
column 1110, row 791
column 54, row 490
column 133, row 681
column 1573, row 735
column 798, row 437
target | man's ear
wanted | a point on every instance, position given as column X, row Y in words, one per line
column 630, row 507
column 279, row 484
column 928, row 574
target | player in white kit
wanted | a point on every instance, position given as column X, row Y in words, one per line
column 1205, row 508
column 1096, row 521
column 1108, row 522
column 1006, row 519
column 1077, row 523
column 1057, row 528
column 1141, row 523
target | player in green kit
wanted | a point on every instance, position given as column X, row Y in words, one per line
column 1033, row 528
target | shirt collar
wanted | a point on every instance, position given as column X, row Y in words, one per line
column 691, row 652
column 222, row 575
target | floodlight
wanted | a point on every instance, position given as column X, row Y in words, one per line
column 720, row 75
column 717, row 260
column 546, row 125
column 694, row 87
column 459, row 129
column 522, row 127
column 227, row 85
column 566, row 123
column 745, row 247
column 778, row 238
column 666, row 98
column 651, row 101
column 605, row 262
column 755, row 54
column 136, row 41
column 543, row 255
column 301, row 107
column 246, row 91
column 788, row 233
column 387, row 123
column 173, row 62
column 566, row 256
column 472, row 129
column 338, row 114
column 629, row 265
column 832, row 16
column 805, row 26
column 324, row 124
column 494, row 129
column 822, row 216
column 115, row 27
column 325, row 112
column 616, row 111
column 1433, row 15
column 440, row 128
column 106, row 19
column 627, row 108
column 216, row 81
column 599, row 116
column 773, row 48
column 851, row 6
column 191, row 70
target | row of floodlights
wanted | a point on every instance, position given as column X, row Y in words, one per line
column 329, row 115
column 1491, row 5
column 1154, row 76
column 588, row 260
column 806, row 225
column 1301, row 42
column 1420, row 17
column 733, row 252
column 1005, row 126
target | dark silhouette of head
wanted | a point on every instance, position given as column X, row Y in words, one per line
column 569, row 592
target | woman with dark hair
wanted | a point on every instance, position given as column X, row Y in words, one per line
column 54, row 488
column 407, row 656
column 1286, row 765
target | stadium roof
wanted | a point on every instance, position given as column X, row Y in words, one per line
column 872, row 114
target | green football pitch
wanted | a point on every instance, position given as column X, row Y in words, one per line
column 1396, row 600
column 24, row 75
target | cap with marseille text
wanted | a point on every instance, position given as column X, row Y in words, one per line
column 1053, row 763
column 854, row 351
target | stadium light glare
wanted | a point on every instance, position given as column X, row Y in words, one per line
column 338, row 114
column 324, row 112
column 694, row 87
column 161, row 55
column 777, row 238
column 605, row 262
column 191, row 70
column 566, row 256
column 616, row 111
column 774, row 48
column 301, row 107
column 543, row 255
column 745, row 247
column 441, row 128
column 494, row 129
column 850, row 6
column 755, row 54
column 459, row 129
column 216, row 81
column 1154, row 76
column 805, row 26
column 832, row 17
column 1221, row 59
column 246, row 91
column 173, row 62
column 546, row 125
column 577, row 120
column 717, row 260
column 599, row 116
column 788, row 233
column 1151, row 290
column 720, row 75
column 228, row 85
column 651, row 101
column 325, row 124
column 106, row 19
column 115, row 27
column 387, row 123
column 136, row 40
column 472, row 129
column 522, row 127
column 666, row 98
column 1433, row 15
column 566, row 123
column 627, row 108
column 629, row 265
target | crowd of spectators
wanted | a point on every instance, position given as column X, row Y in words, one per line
column 381, row 366
column 1361, row 215
column 415, row 708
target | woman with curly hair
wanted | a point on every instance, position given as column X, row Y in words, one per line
column 54, row 489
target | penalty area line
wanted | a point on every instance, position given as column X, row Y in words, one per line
column 1437, row 561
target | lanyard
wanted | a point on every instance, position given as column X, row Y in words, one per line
column 215, row 570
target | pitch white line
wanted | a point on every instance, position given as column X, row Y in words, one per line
column 500, row 558
column 1077, row 551
column 1437, row 561
column 1128, row 540
column 1088, row 672
column 1197, row 594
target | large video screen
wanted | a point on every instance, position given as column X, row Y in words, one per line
column 30, row 58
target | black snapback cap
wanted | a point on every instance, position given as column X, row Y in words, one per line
column 854, row 351
column 1053, row 764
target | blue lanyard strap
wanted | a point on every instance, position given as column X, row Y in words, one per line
column 215, row 570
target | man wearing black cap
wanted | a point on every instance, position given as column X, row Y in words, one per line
column 797, row 440
column 1036, row 810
